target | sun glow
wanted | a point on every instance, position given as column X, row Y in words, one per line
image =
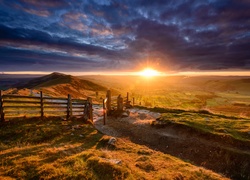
column 149, row 72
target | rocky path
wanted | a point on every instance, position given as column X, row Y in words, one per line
column 178, row 141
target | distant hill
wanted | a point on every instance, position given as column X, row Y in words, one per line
column 12, row 80
column 58, row 79
column 222, row 84
column 58, row 84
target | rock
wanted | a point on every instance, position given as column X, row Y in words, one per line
column 112, row 141
column 113, row 161
column 125, row 114
column 72, row 134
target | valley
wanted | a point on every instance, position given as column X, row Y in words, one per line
column 201, row 120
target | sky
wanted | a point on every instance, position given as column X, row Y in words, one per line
column 124, row 35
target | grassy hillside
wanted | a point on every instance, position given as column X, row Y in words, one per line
column 57, row 84
column 56, row 149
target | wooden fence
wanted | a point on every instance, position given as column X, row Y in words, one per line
column 114, row 103
column 12, row 106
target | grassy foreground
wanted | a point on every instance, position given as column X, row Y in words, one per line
column 56, row 149
column 204, row 121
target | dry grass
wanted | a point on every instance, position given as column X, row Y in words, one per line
column 56, row 149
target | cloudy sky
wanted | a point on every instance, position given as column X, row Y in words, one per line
column 124, row 35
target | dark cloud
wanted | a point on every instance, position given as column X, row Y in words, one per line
column 113, row 35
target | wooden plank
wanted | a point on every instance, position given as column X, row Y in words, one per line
column 41, row 104
column 104, row 111
column 64, row 112
column 78, row 110
column 20, row 114
column 108, row 102
column 119, row 103
column 78, row 106
column 49, row 107
column 18, row 96
column 22, row 111
column 21, row 107
column 89, row 99
column 21, row 102
column 69, row 107
column 1, row 107
column 78, row 115
column 79, row 103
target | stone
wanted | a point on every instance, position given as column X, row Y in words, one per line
column 125, row 114
column 113, row 161
column 112, row 141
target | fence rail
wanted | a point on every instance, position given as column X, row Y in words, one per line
column 16, row 106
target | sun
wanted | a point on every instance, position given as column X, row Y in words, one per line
column 149, row 72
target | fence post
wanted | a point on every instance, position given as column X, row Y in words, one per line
column 119, row 103
column 1, row 107
column 69, row 107
column 108, row 102
column 89, row 99
column 41, row 104
column 127, row 96
column 104, row 111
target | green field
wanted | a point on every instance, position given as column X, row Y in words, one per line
column 217, row 94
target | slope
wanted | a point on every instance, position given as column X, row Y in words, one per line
column 58, row 84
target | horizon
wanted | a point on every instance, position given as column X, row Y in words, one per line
column 161, row 74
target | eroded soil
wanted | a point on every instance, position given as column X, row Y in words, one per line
column 218, row 153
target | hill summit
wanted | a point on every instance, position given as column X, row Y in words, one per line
column 58, row 84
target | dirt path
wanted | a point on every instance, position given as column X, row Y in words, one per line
column 178, row 141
